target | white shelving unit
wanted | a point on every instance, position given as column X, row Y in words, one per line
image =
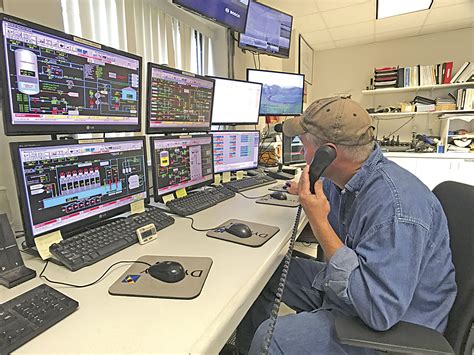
column 403, row 114
column 415, row 88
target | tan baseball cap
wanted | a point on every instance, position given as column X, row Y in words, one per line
column 338, row 120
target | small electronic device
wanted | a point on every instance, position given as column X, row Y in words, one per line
column 236, row 102
column 188, row 163
column 147, row 233
column 54, row 82
column 178, row 101
column 282, row 93
column 268, row 31
column 235, row 150
column 167, row 271
column 230, row 13
column 240, row 230
column 293, row 152
column 70, row 184
column 278, row 195
column 323, row 157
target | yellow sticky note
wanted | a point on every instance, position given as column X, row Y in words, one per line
column 181, row 193
column 217, row 179
column 43, row 243
column 226, row 176
column 240, row 175
column 168, row 198
column 137, row 207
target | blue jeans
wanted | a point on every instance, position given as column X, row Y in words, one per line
column 310, row 331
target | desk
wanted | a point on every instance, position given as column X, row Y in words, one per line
column 117, row 324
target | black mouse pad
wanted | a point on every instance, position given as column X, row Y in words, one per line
column 291, row 201
column 137, row 282
column 261, row 233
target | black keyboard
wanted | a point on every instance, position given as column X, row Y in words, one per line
column 95, row 244
column 31, row 313
column 249, row 183
column 199, row 200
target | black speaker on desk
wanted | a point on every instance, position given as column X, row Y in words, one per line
column 12, row 270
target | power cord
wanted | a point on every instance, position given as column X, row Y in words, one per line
column 41, row 275
column 252, row 198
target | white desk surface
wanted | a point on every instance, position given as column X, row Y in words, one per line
column 117, row 324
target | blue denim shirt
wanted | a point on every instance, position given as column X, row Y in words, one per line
column 396, row 262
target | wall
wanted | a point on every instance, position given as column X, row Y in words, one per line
column 348, row 70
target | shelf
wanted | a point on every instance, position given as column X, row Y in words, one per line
column 415, row 88
column 404, row 114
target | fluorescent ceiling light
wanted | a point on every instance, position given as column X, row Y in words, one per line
column 387, row 8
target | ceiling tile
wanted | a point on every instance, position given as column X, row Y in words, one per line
column 407, row 32
column 446, row 26
column 317, row 37
column 327, row 5
column 441, row 3
column 396, row 23
column 354, row 41
column 293, row 7
column 349, row 15
column 323, row 46
column 353, row 31
column 313, row 22
column 451, row 13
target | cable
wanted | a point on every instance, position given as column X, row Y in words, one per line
column 281, row 286
column 252, row 198
column 254, row 61
column 403, row 125
column 197, row 229
column 89, row 284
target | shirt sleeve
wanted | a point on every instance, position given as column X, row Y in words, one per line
column 378, row 278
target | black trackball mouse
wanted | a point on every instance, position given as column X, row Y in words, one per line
column 279, row 195
column 239, row 230
column 167, row 271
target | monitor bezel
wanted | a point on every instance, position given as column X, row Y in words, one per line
column 48, row 129
column 74, row 226
column 236, row 123
column 154, row 130
column 236, row 131
column 279, row 72
column 283, row 160
column 159, row 198
column 222, row 23
column 261, row 51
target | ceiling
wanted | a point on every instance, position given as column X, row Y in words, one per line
column 327, row 24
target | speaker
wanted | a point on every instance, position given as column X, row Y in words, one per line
column 12, row 270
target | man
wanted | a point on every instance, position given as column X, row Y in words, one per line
column 384, row 237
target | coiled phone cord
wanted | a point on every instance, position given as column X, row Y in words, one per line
column 281, row 286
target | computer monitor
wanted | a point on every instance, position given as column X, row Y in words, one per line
column 178, row 101
column 282, row 93
column 180, row 162
column 230, row 13
column 236, row 102
column 267, row 31
column 58, row 83
column 235, row 150
column 293, row 152
column 69, row 184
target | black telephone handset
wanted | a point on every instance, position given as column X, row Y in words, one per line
column 323, row 157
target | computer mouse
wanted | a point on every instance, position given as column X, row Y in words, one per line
column 239, row 230
column 279, row 195
column 167, row 271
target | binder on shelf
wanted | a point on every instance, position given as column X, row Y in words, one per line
column 459, row 72
column 448, row 72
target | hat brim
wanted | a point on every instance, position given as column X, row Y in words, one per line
column 292, row 127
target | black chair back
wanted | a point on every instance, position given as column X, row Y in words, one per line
column 458, row 204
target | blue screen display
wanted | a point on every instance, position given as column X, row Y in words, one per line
column 267, row 31
column 231, row 13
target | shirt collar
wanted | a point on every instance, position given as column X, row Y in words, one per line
column 367, row 168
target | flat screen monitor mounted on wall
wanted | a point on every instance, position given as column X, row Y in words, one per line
column 267, row 31
column 230, row 13
column 58, row 83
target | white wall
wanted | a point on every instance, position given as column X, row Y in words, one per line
column 348, row 70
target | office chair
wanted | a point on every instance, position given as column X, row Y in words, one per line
column 457, row 201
